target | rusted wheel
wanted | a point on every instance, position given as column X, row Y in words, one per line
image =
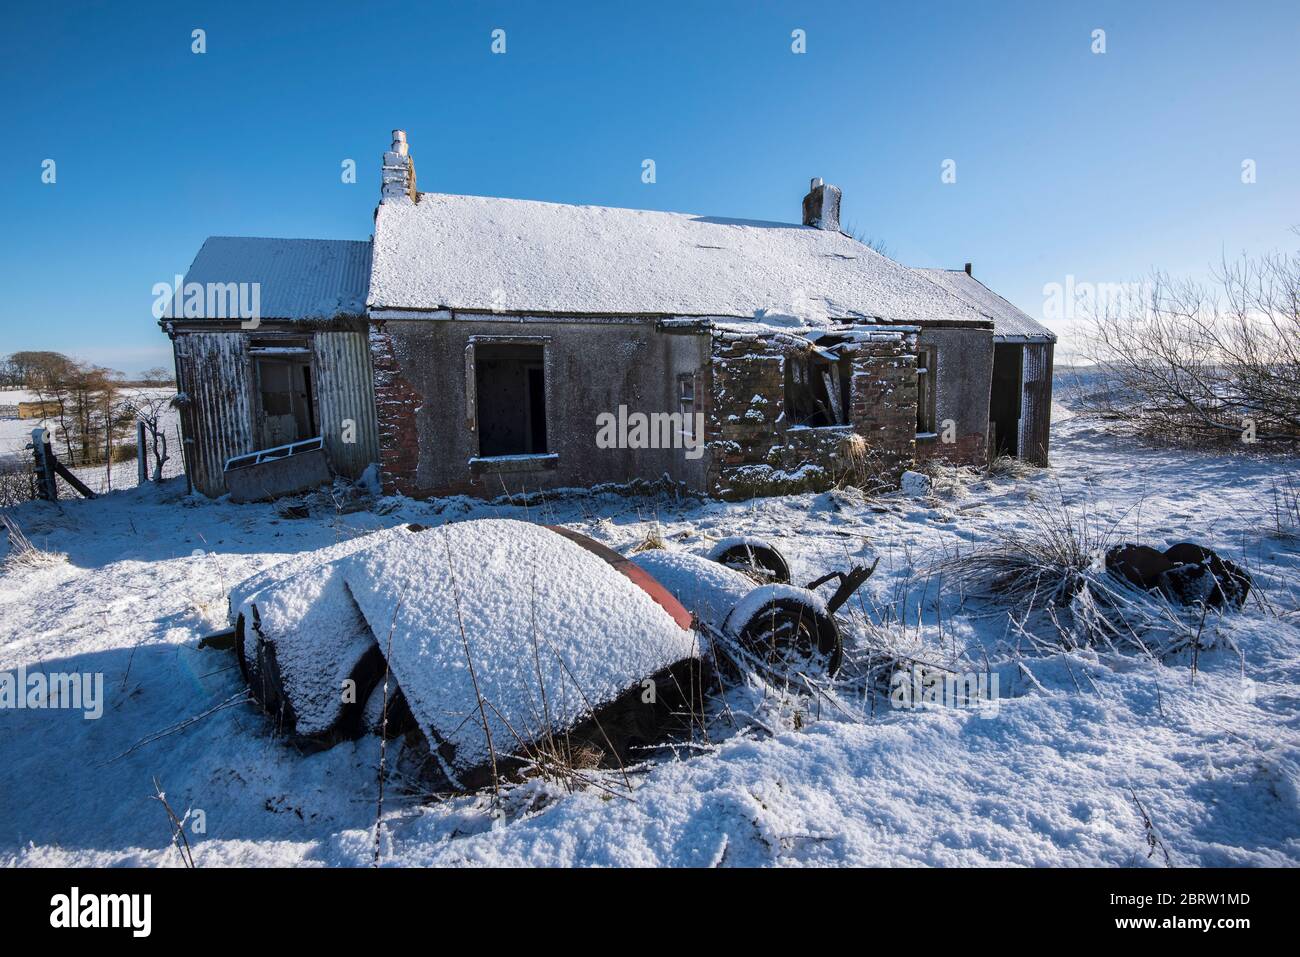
column 757, row 559
column 791, row 636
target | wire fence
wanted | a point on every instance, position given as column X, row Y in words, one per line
column 19, row 481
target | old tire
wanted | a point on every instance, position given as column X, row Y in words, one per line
column 790, row 635
column 757, row 559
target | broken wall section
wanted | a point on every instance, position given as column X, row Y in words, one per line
column 756, row 446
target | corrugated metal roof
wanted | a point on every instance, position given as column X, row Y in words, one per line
column 483, row 253
column 305, row 279
column 1008, row 321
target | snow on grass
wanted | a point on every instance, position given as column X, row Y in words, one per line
column 1052, row 776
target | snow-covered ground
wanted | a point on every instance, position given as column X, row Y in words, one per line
column 1081, row 747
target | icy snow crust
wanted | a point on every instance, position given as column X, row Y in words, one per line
column 513, row 606
column 482, row 253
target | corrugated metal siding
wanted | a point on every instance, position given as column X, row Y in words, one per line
column 345, row 390
column 217, row 421
column 1036, row 405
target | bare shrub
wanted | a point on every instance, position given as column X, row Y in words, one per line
column 949, row 481
column 654, row 539
column 1189, row 363
column 22, row 553
column 863, row 466
column 1008, row 466
column 1044, row 562
column 18, row 481
column 1052, row 573
column 1284, row 508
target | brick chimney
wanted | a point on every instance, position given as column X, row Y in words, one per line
column 398, row 173
column 821, row 207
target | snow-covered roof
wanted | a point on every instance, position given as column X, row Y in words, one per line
column 1009, row 322
column 303, row 279
column 520, row 256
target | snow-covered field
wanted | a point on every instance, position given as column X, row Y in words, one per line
column 1081, row 747
column 16, row 437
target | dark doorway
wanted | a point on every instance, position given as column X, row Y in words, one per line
column 1004, row 401
column 287, row 411
column 510, row 385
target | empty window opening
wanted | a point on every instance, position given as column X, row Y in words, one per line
column 817, row 391
column 287, row 410
column 925, row 378
column 510, row 387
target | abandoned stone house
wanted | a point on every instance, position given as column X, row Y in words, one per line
column 473, row 344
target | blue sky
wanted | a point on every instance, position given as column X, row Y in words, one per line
column 1068, row 163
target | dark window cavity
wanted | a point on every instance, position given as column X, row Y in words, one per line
column 817, row 390
column 510, row 387
column 926, row 360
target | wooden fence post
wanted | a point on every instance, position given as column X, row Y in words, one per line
column 48, row 488
column 141, row 466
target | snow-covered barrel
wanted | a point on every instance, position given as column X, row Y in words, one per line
column 783, row 625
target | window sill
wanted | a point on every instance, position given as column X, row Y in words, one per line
column 926, row 436
column 841, row 426
column 495, row 464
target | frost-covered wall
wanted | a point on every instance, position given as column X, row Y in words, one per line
column 212, row 378
column 963, row 378
column 592, row 366
column 753, row 450
column 1036, row 407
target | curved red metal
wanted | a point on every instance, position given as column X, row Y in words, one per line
column 632, row 571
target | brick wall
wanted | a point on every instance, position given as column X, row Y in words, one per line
column 970, row 449
column 396, row 404
column 884, row 405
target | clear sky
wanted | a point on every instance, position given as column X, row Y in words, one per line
column 1068, row 162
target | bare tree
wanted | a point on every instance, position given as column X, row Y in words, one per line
column 157, row 377
column 1193, row 362
column 871, row 242
column 148, row 407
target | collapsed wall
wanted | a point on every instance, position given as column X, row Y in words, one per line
column 800, row 412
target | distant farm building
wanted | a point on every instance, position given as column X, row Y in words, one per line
column 40, row 410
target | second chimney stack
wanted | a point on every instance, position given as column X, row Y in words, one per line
column 821, row 207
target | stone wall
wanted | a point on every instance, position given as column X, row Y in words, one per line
column 754, row 451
